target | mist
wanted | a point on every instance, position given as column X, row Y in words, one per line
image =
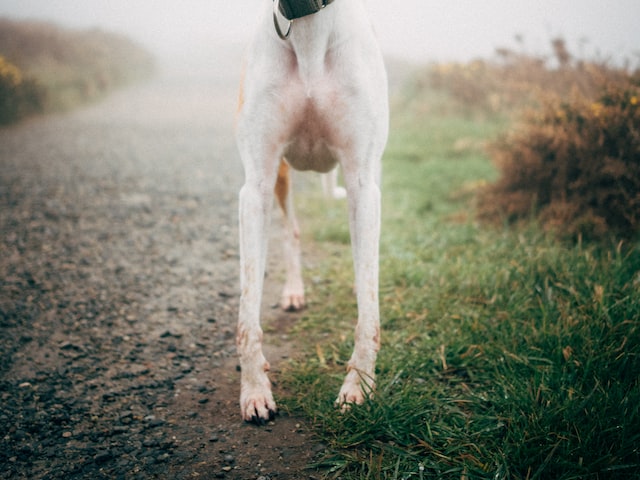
column 413, row 30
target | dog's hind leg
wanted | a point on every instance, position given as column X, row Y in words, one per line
column 330, row 185
column 292, row 298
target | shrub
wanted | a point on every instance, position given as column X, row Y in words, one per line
column 515, row 79
column 70, row 66
column 574, row 160
column 575, row 163
column 20, row 95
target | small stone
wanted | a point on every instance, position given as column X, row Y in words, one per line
column 162, row 458
column 157, row 422
column 102, row 457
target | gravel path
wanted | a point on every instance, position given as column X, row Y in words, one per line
column 118, row 295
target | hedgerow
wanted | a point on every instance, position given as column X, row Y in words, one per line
column 573, row 163
column 20, row 95
column 45, row 67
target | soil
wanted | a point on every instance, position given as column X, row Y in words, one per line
column 119, row 294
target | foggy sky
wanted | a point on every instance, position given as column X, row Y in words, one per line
column 419, row 30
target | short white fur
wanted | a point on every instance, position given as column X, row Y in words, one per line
column 315, row 100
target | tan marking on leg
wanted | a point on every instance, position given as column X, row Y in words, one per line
column 282, row 185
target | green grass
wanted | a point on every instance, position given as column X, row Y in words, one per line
column 505, row 353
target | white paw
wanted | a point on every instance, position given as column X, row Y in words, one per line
column 339, row 192
column 292, row 299
column 355, row 390
column 257, row 404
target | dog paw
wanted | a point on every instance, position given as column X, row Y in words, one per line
column 292, row 301
column 354, row 391
column 258, row 406
column 339, row 193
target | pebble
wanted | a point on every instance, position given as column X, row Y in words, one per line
column 156, row 423
column 162, row 458
column 102, row 457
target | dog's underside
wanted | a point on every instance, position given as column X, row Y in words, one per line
column 312, row 101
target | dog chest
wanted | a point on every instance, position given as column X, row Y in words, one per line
column 314, row 134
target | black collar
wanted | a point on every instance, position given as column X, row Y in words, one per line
column 292, row 9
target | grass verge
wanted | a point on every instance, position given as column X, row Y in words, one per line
column 505, row 353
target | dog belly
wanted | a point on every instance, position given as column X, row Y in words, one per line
column 313, row 134
column 303, row 154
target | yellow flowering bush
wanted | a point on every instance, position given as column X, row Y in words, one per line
column 45, row 67
column 513, row 80
column 9, row 73
column 575, row 163
column 574, row 158
column 20, row 95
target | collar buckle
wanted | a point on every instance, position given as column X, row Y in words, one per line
column 276, row 22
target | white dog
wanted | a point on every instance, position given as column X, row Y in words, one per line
column 314, row 94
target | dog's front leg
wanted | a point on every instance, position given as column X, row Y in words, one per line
column 256, row 198
column 364, row 219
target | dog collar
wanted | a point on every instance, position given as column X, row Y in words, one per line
column 292, row 9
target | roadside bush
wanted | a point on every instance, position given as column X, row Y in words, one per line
column 573, row 163
column 59, row 68
column 514, row 79
column 19, row 95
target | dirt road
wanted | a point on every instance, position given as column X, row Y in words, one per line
column 119, row 293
